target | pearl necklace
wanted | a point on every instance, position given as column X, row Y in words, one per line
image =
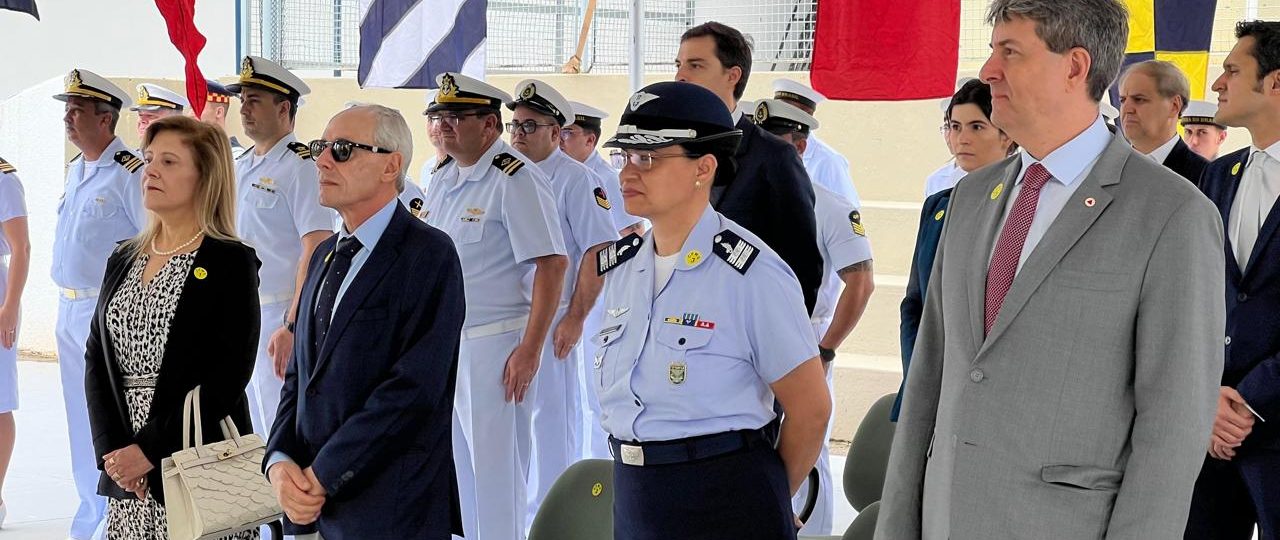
column 177, row 249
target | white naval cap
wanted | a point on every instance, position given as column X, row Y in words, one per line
column 777, row 116
column 790, row 90
column 543, row 99
column 1109, row 111
column 583, row 112
column 460, row 92
column 1201, row 112
column 945, row 103
column 89, row 85
column 153, row 97
column 258, row 72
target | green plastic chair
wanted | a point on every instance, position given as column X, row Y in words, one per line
column 864, row 470
column 579, row 505
column 863, row 526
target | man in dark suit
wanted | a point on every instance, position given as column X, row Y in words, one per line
column 362, row 445
column 1239, row 485
column 1153, row 95
column 770, row 194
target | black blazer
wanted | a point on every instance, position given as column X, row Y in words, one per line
column 931, row 219
column 1252, row 338
column 772, row 197
column 371, row 410
column 213, row 341
column 1186, row 163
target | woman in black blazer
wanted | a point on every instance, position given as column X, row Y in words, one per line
column 179, row 309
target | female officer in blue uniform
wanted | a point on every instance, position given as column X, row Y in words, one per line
column 704, row 327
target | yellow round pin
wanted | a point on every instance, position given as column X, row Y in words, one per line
column 938, row 216
column 201, row 273
column 1235, row 170
column 597, row 489
column 995, row 193
column 693, row 257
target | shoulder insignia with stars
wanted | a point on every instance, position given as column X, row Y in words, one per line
column 131, row 162
column 302, row 150
column 617, row 253
column 734, row 250
column 447, row 160
column 508, row 163
column 6, row 167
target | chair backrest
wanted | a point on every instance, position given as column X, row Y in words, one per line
column 868, row 459
column 863, row 526
column 579, row 505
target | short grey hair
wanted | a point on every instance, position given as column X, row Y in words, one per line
column 102, row 107
column 1100, row 27
column 1170, row 81
column 390, row 131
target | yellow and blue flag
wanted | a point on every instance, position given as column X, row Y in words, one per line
column 1177, row 31
column 25, row 6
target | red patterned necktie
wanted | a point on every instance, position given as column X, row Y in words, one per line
column 1004, row 261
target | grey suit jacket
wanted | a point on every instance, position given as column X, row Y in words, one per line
column 1086, row 413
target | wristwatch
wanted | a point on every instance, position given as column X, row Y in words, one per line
column 827, row 355
column 289, row 325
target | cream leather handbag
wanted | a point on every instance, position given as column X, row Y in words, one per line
column 213, row 490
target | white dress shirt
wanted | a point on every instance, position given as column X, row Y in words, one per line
column 1162, row 153
column 1259, row 188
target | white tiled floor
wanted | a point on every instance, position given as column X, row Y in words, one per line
column 38, row 489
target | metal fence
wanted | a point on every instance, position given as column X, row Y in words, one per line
column 539, row 36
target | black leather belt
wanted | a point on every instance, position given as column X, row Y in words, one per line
column 647, row 454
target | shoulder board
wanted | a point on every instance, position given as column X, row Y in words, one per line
column 130, row 161
column 734, row 250
column 617, row 253
column 447, row 160
column 6, row 167
column 302, row 150
column 74, row 158
column 245, row 152
column 507, row 163
column 855, row 221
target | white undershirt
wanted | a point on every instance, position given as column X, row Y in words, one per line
column 465, row 172
column 663, row 267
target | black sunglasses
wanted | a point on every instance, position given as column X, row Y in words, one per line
column 341, row 149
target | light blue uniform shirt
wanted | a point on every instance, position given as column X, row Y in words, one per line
column 698, row 357
column 101, row 205
column 609, row 179
column 1069, row 165
column 584, row 212
column 499, row 223
column 277, row 203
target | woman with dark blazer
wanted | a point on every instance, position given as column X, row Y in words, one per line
column 179, row 309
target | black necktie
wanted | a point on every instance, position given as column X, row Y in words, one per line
column 335, row 272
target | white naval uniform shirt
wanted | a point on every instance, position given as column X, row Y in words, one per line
column 583, row 208
column 829, row 169
column 277, row 203
column 101, row 206
column 697, row 357
column 609, row 179
column 842, row 240
column 500, row 222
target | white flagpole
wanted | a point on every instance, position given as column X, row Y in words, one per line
column 637, row 44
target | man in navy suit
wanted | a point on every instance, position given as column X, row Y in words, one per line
column 1239, row 485
column 362, row 445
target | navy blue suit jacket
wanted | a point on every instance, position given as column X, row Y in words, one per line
column 371, row 411
column 931, row 220
column 1253, row 307
column 1185, row 162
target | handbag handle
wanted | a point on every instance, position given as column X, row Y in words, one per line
column 191, row 412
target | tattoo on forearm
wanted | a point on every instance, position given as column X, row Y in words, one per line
column 864, row 266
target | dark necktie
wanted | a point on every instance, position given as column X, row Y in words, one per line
column 1004, row 262
column 335, row 272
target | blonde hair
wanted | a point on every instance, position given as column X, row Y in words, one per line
column 215, row 184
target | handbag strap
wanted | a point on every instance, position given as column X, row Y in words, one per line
column 186, row 419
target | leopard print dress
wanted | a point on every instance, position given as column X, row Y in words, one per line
column 138, row 318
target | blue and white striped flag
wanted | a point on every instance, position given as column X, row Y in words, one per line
column 406, row 43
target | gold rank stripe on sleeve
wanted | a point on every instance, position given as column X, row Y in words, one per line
column 732, row 249
column 855, row 221
column 507, row 163
column 6, row 167
column 130, row 162
column 302, row 150
column 617, row 253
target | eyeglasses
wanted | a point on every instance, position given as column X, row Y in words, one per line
column 341, row 149
column 528, row 126
column 567, row 133
column 643, row 160
column 452, row 118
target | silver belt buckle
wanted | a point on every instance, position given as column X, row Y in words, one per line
column 632, row 455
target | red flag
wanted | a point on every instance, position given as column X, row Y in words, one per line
column 179, row 16
column 886, row 50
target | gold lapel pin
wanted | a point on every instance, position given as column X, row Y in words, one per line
column 201, row 273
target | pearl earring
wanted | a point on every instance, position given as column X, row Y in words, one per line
column 697, row 183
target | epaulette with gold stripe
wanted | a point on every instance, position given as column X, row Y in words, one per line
column 6, row 167
column 447, row 160
column 130, row 162
column 302, row 150
column 508, row 163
